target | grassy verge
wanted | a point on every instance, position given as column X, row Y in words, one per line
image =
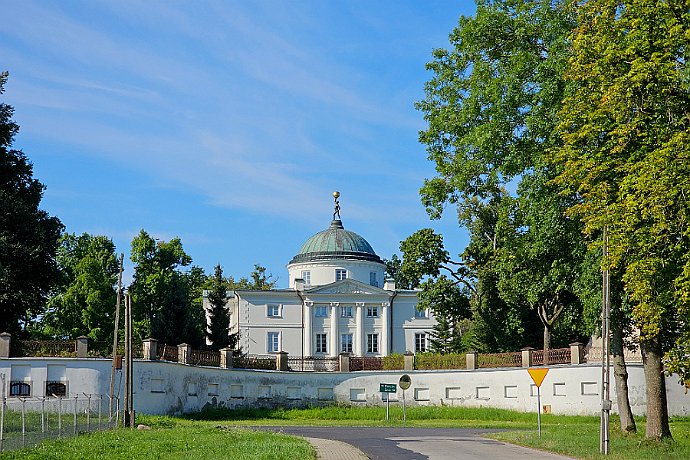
column 580, row 439
column 218, row 434
column 574, row 436
column 172, row 439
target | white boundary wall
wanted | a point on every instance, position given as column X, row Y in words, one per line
column 168, row 388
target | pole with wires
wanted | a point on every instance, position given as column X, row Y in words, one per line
column 605, row 355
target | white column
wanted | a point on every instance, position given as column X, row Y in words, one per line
column 334, row 330
column 360, row 347
column 308, row 339
column 385, row 327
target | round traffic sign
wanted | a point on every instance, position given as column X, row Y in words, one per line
column 405, row 382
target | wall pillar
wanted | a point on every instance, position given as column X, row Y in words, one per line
column 527, row 356
column 408, row 361
column 471, row 360
column 334, row 330
column 5, row 340
column 82, row 346
column 183, row 353
column 282, row 361
column 150, row 349
column 344, row 362
column 226, row 358
column 576, row 353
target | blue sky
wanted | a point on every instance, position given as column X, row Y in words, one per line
column 229, row 123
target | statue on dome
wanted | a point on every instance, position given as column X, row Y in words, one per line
column 336, row 195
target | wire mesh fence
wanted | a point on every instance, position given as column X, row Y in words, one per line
column 27, row 421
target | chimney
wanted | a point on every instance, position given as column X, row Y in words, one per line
column 299, row 284
column 389, row 284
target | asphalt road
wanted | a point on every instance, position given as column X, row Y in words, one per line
column 419, row 443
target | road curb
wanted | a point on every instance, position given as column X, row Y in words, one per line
column 329, row 449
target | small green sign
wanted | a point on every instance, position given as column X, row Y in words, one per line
column 388, row 388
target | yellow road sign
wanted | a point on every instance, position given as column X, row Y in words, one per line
column 538, row 374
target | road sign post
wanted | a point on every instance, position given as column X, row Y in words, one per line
column 404, row 384
column 388, row 388
column 538, row 375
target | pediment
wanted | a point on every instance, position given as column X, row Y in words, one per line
column 347, row 287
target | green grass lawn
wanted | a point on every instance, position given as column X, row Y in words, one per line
column 219, row 434
column 172, row 439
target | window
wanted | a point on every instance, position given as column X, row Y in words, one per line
column 56, row 388
column 321, row 312
column 273, row 342
column 372, row 279
column 20, row 388
column 346, row 312
column 306, row 276
column 420, row 342
column 273, row 311
column 372, row 312
column 421, row 313
column 372, row 343
column 340, row 274
column 321, row 342
column 346, row 343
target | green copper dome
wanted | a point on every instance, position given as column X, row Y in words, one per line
column 336, row 243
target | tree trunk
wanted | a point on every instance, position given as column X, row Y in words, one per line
column 547, row 343
column 620, row 373
column 657, row 409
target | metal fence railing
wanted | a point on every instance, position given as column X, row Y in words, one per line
column 28, row 421
column 554, row 356
column 204, row 358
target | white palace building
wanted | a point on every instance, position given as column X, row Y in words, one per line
column 337, row 302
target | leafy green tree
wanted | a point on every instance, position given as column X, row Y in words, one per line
column 164, row 304
column 491, row 107
column 218, row 331
column 84, row 301
column 182, row 318
column 394, row 271
column 258, row 280
column 450, row 306
column 626, row 134
column 28, row 235
column 541, row 257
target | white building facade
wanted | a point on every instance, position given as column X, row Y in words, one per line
column 337, row 302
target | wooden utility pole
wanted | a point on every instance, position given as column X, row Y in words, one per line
column 115, row 338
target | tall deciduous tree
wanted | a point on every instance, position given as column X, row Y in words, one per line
column 165, row 299
column 28, row 235
column 84, row 301
column 541, row 258
column 626, row 132
column 491, row 107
